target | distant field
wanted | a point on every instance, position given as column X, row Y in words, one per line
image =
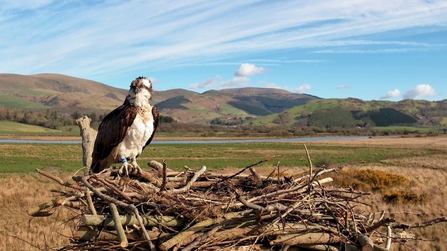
column 12, row 102
column 26, row 157
column 13, row 128
column 7, row 127
column 408, row 128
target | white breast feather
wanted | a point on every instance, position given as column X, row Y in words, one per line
column 137, row 136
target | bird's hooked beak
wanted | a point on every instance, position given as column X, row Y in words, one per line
column 136, row 89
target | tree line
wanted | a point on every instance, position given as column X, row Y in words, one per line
column 339, row 124
column 53, row 119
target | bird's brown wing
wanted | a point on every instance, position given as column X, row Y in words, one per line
column 111, row 132
column 156, row 115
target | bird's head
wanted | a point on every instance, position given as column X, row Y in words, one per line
column 140, row 92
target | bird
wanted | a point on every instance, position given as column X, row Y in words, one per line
column 127, row 130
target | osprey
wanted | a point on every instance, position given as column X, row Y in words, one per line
column 127, row 130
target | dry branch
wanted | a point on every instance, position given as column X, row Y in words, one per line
column 130, row 220
column 119, row 228
column 193, row 179
column 306, row 238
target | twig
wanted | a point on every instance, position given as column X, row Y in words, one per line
column 310, row 162
column 193, row 179
column 140, row 221
column 420, row 225
column 296, row 189
column 389, row 236
column 320, row 172
column 248, row 204
column 205, row 236
column 256, row 176
column 163, row 183
column 115, row 189
column 274, row 170
column 58, row 180
column 245, row 168
column 379, row 224
column 90, row 202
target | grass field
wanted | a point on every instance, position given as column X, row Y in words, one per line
column 13, row 128
column 23, row 158
column 408, row 128
column 421, row 160
column 13, row 102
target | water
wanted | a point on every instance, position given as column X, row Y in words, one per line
column 223, row 141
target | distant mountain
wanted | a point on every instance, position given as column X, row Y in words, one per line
column 67, row 94
column 353, row 112
column 57, row 92
column 249, row 106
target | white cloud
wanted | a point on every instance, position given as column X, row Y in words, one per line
column 303, row 88
column 391, row 94
column 247, row 70
column 153, row 80
column 421, row 91
column 236, row 82
column 272, row 85
column 344, row 87
column 218, row 83
column 209, row 83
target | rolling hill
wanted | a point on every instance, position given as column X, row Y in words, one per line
column 353, row 112
column 57, row 92
column 250, row 106
column 66, row 94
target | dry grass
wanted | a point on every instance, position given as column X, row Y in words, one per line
column 428, row 178
column 427, row 175
column 18, row 231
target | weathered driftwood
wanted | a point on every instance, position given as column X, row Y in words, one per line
column 88, row 136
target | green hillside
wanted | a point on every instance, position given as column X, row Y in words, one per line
column 348, row 113
column 54, row 101
column 70, row 96
column 7, row 127
column 13, row 102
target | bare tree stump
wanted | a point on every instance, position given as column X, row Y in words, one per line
column 88, row 135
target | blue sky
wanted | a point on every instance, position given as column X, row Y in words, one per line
column 367, row 49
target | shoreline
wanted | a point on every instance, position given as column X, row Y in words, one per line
column 156, row 138
column 417, row 141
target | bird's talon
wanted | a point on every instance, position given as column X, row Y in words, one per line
column 124, row 166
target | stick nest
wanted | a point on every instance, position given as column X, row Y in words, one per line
column 200, row 210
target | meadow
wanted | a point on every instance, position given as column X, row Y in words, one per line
column 25, row 158
column 421, row 160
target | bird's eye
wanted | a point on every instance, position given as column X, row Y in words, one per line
column 137, row 89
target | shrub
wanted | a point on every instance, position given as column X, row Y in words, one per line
column 278, row 133
column 404, row 196
column 370, row 180
column 394, row 188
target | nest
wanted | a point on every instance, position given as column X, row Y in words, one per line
column 200, row 210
